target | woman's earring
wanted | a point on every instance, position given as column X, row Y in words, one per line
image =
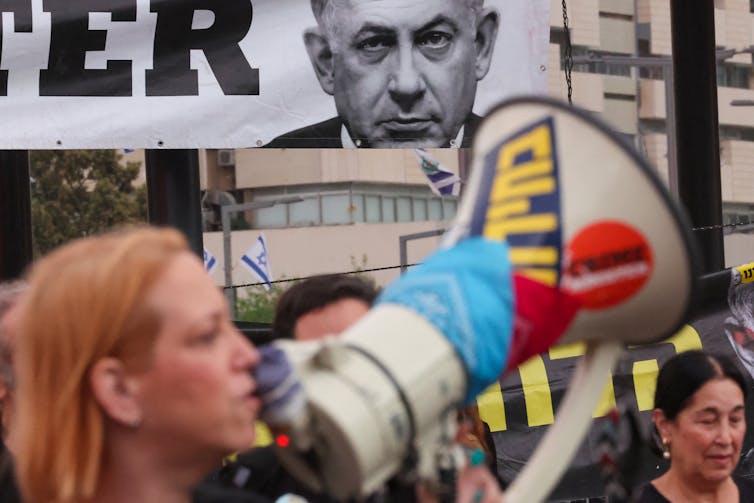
column 665, row 448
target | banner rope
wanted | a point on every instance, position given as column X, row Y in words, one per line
column 568, row 54
column 387, row 268
column 722, row 226
column 359, row 271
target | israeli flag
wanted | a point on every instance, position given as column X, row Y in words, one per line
column 209, row 261
column 257, row 262
column 441, row 181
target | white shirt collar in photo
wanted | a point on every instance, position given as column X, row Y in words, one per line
column 347, row 142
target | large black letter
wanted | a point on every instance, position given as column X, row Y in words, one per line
column 21, row 10
column 71, row 38
column 174, row 39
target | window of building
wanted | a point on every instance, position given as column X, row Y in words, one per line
column 336, row 209
column 738, row 218
column 304, row 213
column 731, row 75
column 403, row 209
column 357, row 208
column 388, row 209
column 652, row 126
column 434, row 210
column 347, row 203
column 599, row 66
column 275, row 216
column 449, row 208
column 372, row 209
column 420, row 209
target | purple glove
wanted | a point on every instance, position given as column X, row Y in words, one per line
column 278, row 386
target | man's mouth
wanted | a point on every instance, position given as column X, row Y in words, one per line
column 407, row 124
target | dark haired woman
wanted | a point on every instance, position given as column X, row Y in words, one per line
column 699, row 416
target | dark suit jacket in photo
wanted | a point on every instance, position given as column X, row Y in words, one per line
column 327, row 135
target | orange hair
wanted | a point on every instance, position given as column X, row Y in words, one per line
column 85, row 302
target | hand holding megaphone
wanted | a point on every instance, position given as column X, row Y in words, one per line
column 563, row 234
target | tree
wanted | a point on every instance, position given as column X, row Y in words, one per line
column 76, row 193
column 258, row 304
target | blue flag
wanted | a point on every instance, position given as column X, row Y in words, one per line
column 209, row 261
column 256, row 260
column 441, row 181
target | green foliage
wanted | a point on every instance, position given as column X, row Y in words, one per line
column 258, row 304
column 76, row 193
column 239, row 223
column 358, row 267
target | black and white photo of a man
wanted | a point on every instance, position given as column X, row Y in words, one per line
column 403, row 73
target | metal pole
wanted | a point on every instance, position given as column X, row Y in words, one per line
column 403, row 244
column 225, row 213
column 230, row 293
column 174, row 193
column 698, row 144
column 667, row 75
column 15, row 214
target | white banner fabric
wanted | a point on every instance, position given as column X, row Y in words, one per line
column 119, row 74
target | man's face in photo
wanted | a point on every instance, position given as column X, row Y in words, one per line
column 404, row 72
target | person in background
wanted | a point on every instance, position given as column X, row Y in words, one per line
column 700, row 421
column 322, row 305
column 309, row 310
column 9, row 295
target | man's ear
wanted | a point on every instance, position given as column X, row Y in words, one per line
column 320, row 54
column 116, row 391
column 486, row 35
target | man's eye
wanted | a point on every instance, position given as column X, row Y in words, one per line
column 374, row 44
column 435, row 40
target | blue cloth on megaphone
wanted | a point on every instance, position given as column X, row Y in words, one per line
column 466, row 293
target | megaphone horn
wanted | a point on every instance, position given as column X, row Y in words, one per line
column 586, row 217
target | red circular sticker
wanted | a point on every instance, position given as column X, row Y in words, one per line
column 606, row 264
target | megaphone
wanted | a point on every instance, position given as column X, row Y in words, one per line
column 589, row 228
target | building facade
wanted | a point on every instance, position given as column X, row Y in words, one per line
column 632, row 97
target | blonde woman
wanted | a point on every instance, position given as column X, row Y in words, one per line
column 133, row 381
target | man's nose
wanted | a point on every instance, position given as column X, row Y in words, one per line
column 406, row 84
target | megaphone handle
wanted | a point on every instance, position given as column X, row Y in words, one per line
column 555, row 451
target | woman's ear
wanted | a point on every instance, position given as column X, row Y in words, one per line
column 115, row 391
column 661, row 423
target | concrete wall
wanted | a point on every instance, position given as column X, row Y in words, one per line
column 277, row 167
column 739, row 249
column 737, row 164
column 304, row 251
